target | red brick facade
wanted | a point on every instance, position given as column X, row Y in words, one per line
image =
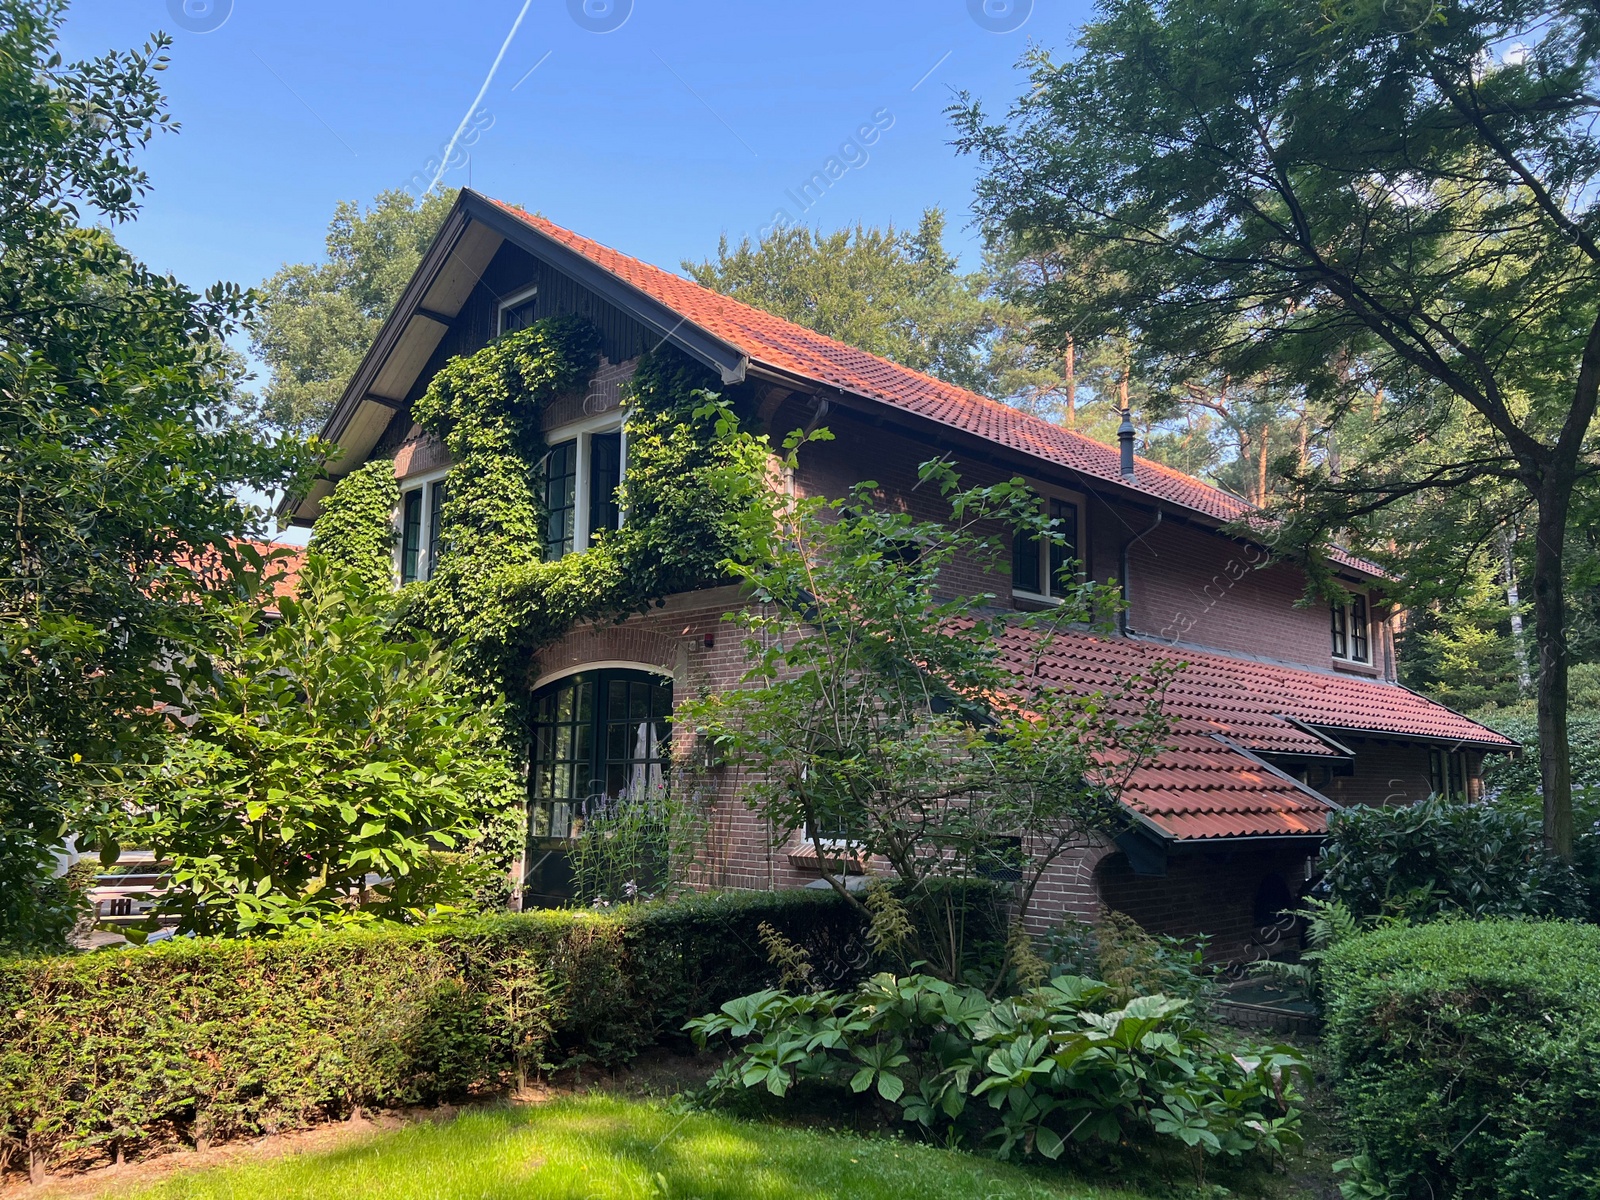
column 1153, row 531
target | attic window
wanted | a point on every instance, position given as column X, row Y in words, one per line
column 517, row 311
column 1037, row 564
column 1349, row 627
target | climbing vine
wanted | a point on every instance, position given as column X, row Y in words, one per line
column 355, row 530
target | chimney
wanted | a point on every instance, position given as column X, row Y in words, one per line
column 1125, row 439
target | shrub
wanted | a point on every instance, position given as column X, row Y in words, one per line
column 1464, row 1056
column 200, row 1039
column 1418, row 861
column 1131, row 960
column 1057, row 1065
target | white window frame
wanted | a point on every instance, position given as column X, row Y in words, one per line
column 423, row 480
column 583, row 432
column 512, row 301
column 1349, row 626
column 1047, row 492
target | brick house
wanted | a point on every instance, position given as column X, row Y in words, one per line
column 1284, row 713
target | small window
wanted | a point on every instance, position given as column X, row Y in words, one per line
column 560, row 499
column 410, row 535
column 519, row 311
column 1350, row 628
column 421, row 528
column 605, row 476
column 1037, row 572
column 435, row 524
column 582, row 475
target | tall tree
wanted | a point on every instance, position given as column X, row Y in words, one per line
column 319, row 318
column 891, row 292
column 1405, row 184
column 120, row 457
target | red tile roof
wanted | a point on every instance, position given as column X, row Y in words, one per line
column 774, row 342
column 1225, row 710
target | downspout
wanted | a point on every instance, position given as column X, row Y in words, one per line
column 1127, row 587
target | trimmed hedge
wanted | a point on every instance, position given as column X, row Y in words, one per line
column 198, row 1040
column 1465, row 1055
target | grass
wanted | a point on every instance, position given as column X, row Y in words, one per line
column 597, row 1148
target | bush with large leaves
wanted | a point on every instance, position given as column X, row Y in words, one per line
column 1032, row 1074
column 328, row 762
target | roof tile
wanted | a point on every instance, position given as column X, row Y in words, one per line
column 774, row 342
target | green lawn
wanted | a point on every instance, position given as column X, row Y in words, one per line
column 596, row 1148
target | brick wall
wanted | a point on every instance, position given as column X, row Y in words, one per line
column 1208, row 892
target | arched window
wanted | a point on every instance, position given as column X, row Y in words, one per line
column 598, row 737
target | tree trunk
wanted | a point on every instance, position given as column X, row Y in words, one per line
column 1072, row 384
column 1550, row 633
column 1508, row 545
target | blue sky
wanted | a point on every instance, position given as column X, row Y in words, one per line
column 691, row 119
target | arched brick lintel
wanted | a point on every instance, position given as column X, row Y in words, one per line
column 611, row 644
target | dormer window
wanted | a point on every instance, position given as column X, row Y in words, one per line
column 1037, row 563
column 421, row 519
column 1350, row 628
column 582, row 473
column 518, row 310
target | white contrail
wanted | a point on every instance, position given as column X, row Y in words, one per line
column 478, row 99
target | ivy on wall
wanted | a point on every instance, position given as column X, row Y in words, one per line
column 691, row 481
column 356, row 528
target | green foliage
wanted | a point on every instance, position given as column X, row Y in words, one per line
column 323, row 749
column 211, row 1038
column 1421, row 860
column 1464, row 1054
column 1056, row 1066
column 121, row 453
column 1513, row 783
column 318, row 319
column 1327, row 923
column 1389, row 208
column 1517, row 777
column 688, row 482
column 624, row 848
column 1130, row 960
column 877, row 709
column 355, row 530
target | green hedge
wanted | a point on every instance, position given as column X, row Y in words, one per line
column 205, row 1039
column 1465, row 1056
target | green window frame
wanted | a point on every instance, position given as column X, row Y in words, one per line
column 410, row 535
column 560, row 499
column 597, row 737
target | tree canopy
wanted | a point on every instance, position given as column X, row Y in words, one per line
column 318, row 319
column 1344, row 198
column 121, row 458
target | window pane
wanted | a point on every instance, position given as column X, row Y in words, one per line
column 605, row 474
column 1025, row 562
column 560, row 498
column 435, row 520
column 1340, row 647
column 1065, row 515
column 520, row 316
column 411, row 535
column 1358, row 628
